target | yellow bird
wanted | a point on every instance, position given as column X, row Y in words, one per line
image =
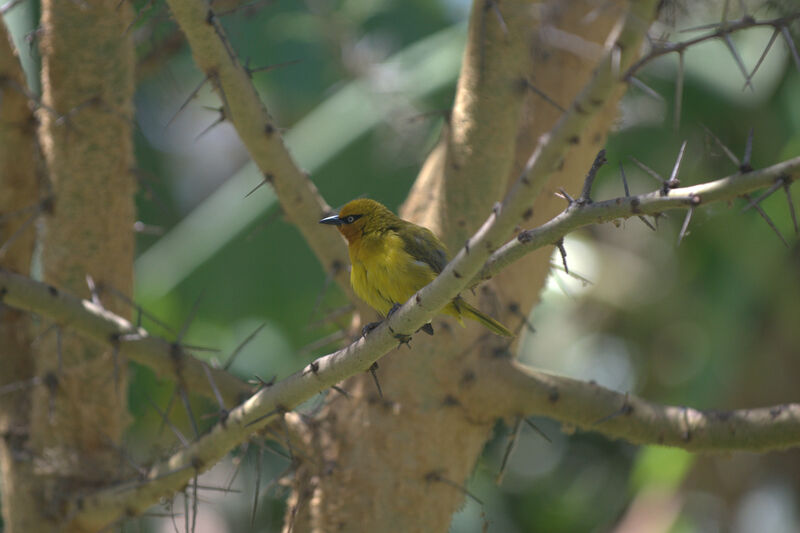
column 392, row 259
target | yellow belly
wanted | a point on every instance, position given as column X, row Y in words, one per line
column 383, row 273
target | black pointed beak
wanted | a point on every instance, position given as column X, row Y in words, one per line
column 333, row 220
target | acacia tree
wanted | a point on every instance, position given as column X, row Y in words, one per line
column 530, row 118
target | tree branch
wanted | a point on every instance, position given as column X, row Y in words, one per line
column 578, row 215
column 721, row 31
column 328, row 370
column 301, row 202
column 93, row 322
column 20, row 207
column 591, row 407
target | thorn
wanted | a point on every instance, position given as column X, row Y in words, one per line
column 257, row 489
column 543, row 96
column 628, row 194
column 186, row 516
column 102, row 287
column 289, row 447
column 167, row 422
column 738, row 58
column 194, row 502
column 188, row 406
column 673, row 181
column 372, row 370
column 437, row 477
column 341, row 391
column 241, row 346
column 263, row 182
column 584, row 281
column 790, row 44
column 197, row 348
column 191, row 97
column 599, row 161
column 211, row 126
column 646, row 88
column 217, row 394
column 262, row 417
column 767, row 220
column 37, row 207
column 537, row 429
column 189, row 318
column 791, row 204
column 772, row 39
column 676, row 121
column 513, row 437
column 728, row 152
column 624, row 180
column 624, row 410
column 745, row 166
column 560, row 246
column 115, row 357
column 775, row 186
column 515, row 310
column 685, row 225
column 565, row 195
column 649, row 171
column 18, row 232
column 427, row 328
column 493, row 5
column 265, row 384
column 274, row 66
column 93, row 291
column 243, row 6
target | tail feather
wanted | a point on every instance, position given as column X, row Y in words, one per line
column 493, row 325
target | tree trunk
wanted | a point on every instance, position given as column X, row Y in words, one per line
column 395, row 463
column 78, row 418
column 19, row 209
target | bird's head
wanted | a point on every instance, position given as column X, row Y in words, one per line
column 358, row 217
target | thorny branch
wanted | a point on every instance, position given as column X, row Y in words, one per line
column 94, row 322
column 720, row 31
column 302, row 204
column 104, row 506
column 579, row 215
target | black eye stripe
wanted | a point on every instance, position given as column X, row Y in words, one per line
column 349, row 219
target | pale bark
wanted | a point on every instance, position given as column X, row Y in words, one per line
column 86, row 123
column 381, row 462
column 19, row 209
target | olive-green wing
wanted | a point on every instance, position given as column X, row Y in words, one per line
column 421, row 244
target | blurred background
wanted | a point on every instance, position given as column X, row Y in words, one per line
column 360, row 88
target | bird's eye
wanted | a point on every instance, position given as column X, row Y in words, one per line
column 350, row 219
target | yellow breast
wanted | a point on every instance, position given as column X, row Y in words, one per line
column 383, row 273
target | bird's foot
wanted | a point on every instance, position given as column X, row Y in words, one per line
column 393, row 310
column 369, row 327
column 402, row 338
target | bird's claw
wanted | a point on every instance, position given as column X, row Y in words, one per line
column 393, row 310
column 427, row 328
column 402, row 338
column 369, row 327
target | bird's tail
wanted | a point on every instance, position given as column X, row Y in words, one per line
column 470, row 312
